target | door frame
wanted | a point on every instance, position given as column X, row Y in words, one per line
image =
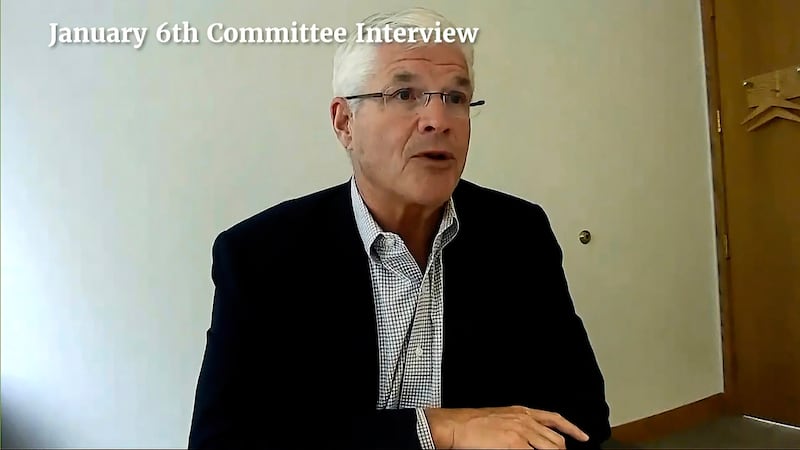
column 716, row 135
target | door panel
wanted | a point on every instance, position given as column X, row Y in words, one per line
column 762, row 185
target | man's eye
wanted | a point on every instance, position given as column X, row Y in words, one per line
column 404, row 94
column 457, row 98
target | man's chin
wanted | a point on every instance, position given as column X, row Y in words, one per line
column 434, row 193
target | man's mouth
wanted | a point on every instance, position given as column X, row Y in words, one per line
column 437, row 155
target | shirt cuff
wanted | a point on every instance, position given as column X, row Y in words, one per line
column 424, row 431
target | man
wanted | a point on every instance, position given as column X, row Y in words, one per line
column 406, row 307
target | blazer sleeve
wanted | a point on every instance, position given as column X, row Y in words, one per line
column 581, row 398
column 226, row 412
column 220, row 416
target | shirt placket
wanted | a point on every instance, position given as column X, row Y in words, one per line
column 437, row 338
column 426, row 336
column 417, row 373
column 402, row 265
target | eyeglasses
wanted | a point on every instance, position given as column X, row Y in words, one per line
column 408, row 101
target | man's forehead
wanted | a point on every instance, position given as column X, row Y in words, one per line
column 402, row 64
column 403, row 75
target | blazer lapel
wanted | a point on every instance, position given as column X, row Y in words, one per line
column 351, row 288
column 462, row 294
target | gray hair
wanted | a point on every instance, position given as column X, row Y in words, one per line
column 353, row 62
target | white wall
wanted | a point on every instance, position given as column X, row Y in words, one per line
column 120, row 166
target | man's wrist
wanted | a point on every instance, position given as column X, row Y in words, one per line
column 423, row 431
column 442, row 427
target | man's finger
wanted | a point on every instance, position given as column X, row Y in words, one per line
column 554, row 420
column 540, row 442
column 534, row 424
column 535, row 438
column 551, row 435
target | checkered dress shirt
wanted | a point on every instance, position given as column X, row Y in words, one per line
column 409, row 312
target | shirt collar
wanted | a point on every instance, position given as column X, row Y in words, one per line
column 369, row 230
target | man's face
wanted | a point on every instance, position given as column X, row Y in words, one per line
column 414, row 157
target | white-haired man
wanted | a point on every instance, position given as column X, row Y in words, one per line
column 405, row 307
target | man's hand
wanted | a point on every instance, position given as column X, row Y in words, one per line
column 508, row 427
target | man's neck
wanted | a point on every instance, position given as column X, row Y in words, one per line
column 415, row 224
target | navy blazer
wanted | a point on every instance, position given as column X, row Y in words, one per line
column 291, row 357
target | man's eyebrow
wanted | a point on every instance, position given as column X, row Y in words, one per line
column 407, row 77
column 403, row 77
column 463, row 82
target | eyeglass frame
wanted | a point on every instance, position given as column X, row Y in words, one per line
column 429, row 94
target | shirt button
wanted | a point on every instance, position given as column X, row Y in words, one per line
column 418, row 351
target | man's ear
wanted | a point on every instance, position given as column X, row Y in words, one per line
column 341, row 117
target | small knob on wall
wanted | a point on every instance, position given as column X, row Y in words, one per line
column 585, row 237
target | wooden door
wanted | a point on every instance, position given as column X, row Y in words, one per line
column 758, row 203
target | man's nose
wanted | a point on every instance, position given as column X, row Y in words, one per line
column 433, row 117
